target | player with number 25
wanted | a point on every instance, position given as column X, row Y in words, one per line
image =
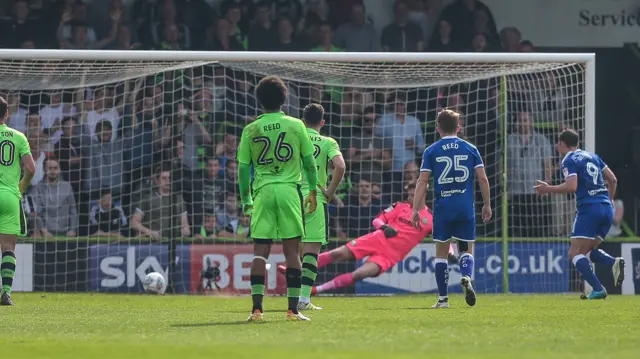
column 454, row 163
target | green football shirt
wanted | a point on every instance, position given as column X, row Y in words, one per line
column 13, row 146
column 275, row 144
column 325, row 149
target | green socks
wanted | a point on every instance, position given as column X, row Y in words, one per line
column 7, row 270
column 309, row 274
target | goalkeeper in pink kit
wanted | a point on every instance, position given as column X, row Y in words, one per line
column 392, row 240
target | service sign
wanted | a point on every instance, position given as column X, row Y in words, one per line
column 570, row 23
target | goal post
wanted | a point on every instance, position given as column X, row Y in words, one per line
column 489, row 89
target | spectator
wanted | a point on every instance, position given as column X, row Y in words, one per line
column 406, row 134
column 17, row 113
column 68, row 151
column 339, row 10
column 357, row 35
column 245, row 7
column 80, row 39
column 196, row 135
column 410, row 173
column 231, row 176
column 106, row 218
column 482, row 25
column 510, row 38
column 169, row 34
column 354, row 102
column 228, row 148
column 526, row 46
column 442, row 40
column 460, row 15
column 170, row 38
column 20, row 27
column 124, row 40
column 480, row 44
column 236, row 31
column 103, row 109
column 358, row 210
column 549, row 101
column 315, row 15
column 107, row 161
column 158, row 212
column 242, row 105
column 285, row 41
column 55, row 203
column 39, row 156
column 198, row 14
column 367, row 154
column 210, row 228
column 425, row 13
column 402, row 35
column 529, row 156
column 618, row 216
column 76, row 15
column 53, row 112
column 325, row 39
column 209, row 193
column 291, row 9
column 222, row 39
column 263, row 34
column 228, row 218
column 147, row 135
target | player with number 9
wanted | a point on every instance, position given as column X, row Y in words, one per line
column 585, row 174
column 279, row 148
column 454, row 163
column 14, row 152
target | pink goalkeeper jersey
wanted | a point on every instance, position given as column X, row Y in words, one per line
column 398, row 216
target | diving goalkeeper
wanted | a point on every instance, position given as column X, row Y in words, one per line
column 392, row 240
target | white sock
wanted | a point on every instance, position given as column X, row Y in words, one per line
column 442, row 298
column 305, row 300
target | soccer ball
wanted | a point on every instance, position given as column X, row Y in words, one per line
column 154, row 283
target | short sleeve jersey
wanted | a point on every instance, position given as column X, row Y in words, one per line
column 452, row 162
column 588, row 168
column 325, row 149
column 275, row 144
column 13, row 146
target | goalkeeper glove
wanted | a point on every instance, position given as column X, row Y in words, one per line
column 389, row 231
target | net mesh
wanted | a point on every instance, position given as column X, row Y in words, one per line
column 145, row 156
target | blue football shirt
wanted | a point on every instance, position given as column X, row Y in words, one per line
column 588, row 168
column 452, row 162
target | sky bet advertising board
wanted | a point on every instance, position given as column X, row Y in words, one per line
column 533, row 267
column 200, row 268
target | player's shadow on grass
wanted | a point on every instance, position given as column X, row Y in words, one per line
column 266, row 312
column 214, row 324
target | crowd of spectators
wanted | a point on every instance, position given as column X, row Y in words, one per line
column 155, row 157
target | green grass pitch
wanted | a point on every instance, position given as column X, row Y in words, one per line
column 181, row 327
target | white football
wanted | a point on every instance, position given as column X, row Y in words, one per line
column 154, row 283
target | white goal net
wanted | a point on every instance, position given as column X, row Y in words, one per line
column 136, row 168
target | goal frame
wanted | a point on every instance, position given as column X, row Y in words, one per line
column 586, row 59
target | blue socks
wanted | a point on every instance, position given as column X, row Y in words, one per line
column 466, row 265
column 585, row 269
column 601, row 257
column 442, row 277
